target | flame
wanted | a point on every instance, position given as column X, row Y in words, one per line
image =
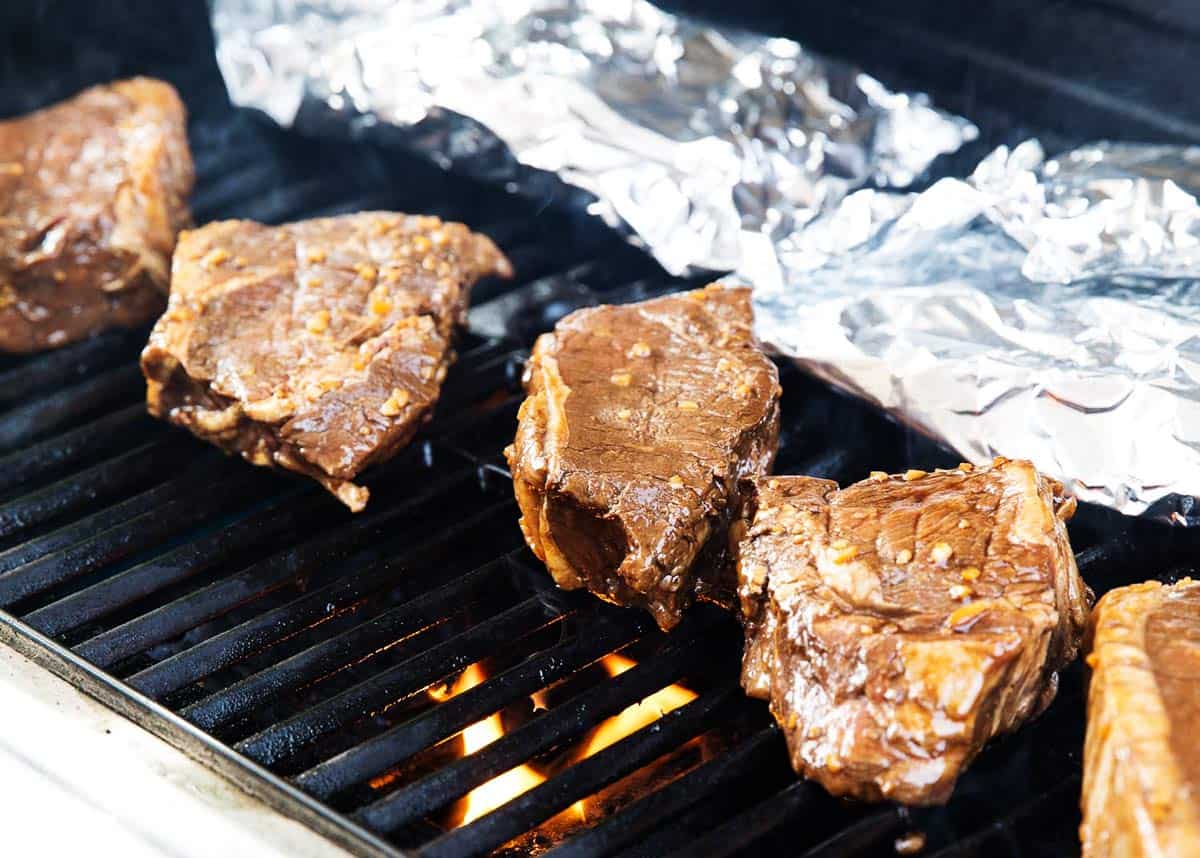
column 637, row 716
column 502, row 788
column 507, row 786
column 630, row 719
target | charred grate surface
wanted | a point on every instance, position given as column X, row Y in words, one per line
column 320, row 645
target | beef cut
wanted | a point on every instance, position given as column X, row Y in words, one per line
column 640, row 425
column 319, row 346
column 93, row 191
column 897, row 625
column 1141, row 765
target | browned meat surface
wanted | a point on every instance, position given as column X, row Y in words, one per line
column 640, row 424
column 1141, row 765
column 898, row 624
column 318, row 346
column 92, row 194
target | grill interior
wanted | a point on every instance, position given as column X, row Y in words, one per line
column 308, row 648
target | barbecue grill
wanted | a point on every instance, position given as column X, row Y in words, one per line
column 318, row 658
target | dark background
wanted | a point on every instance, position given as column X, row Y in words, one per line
column 1075, row 68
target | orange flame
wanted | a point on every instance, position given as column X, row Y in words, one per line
column 637, row 716
column 507, row 786
column 504, row 787
column 630, row 719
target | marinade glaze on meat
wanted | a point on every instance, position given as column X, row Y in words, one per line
column 1141, row 765
column 641, row 423
column 93, row 191
column 318, row 346
column 897, row 625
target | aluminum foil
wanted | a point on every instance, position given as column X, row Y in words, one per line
column 1046, row 309
column 691, row 137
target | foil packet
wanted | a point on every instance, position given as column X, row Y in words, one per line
column 689, row 136
column 1043, row 309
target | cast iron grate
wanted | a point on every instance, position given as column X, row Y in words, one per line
column 303, row 643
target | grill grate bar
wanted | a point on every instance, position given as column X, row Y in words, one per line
column 565, row 721
column 390, row 627
column 630, row 824
column 263, row 630
column 1067, row 788
column 173, row 619
column 101, row 522
column 581, row 780
column 249, row 181
column 750, row 825
column 151, row 523
column 103, row 480
column 283, row 515
column 833, row 465
column 866, row 834
column 486, row 377
column 103, row 435
column 1104, row 565
column 452, row 427
column 535, row 261
column 624, row 265
column 293, row 200
column 25, row 424
column 283, row 739
column 65, row 365
column 607, row 630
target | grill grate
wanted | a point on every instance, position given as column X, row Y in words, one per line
column 247, row 617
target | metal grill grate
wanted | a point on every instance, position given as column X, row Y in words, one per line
column 247, row 617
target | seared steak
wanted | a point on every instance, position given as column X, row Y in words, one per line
column 1141, row 765
column 898, row 624
column 640, row 424
column 318, row 346
column 92, row 194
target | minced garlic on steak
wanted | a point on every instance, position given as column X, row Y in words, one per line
column 318, row 346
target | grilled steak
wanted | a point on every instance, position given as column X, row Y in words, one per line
column 1141, row 765
column 641, row 422
column 897, row 625
column 92, row 194
column 318, row 346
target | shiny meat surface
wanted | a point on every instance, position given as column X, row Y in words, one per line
column 319, row 346
column 897, row 625
column 92, row 194
column 641, row 422
column 1141, row 767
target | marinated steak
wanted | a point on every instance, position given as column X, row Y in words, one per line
column 318, row 346
column 641, row 422
column 1141, row 765
column 92, row 194
column 897, row 625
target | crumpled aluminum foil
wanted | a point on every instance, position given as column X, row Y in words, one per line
column 690, row 136
column 1040, row 309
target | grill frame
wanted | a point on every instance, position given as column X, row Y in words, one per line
column 254, row 779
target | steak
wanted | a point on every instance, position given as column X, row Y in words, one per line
column 897, row 625
column 93, row 191
column 1141, row 764
column 319, row 346
column 640, row 425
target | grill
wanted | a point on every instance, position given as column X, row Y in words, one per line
column 247, row 618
